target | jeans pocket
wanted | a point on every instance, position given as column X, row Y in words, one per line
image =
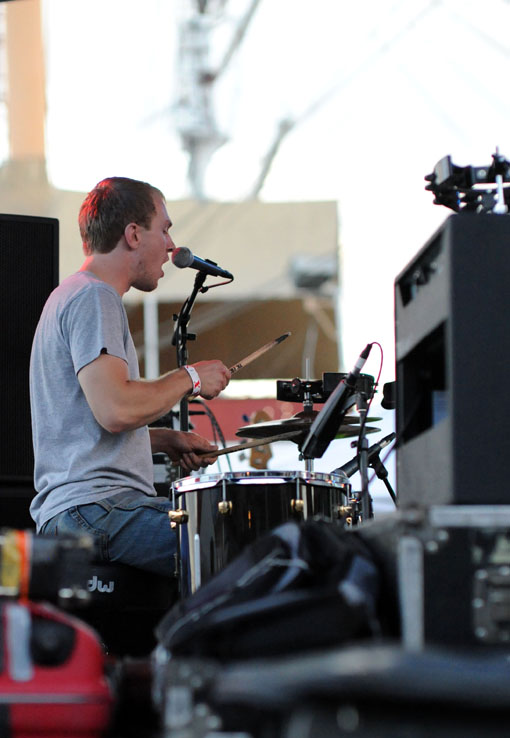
column 79, row 524
column 133, row 500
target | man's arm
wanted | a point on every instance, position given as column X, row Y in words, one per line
column 120, row 404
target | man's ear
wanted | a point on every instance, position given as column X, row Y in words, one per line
column 132, row 235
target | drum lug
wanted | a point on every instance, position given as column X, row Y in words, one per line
column 297, row 506
column 178, row 517
column 344, row 511
column 225, row 507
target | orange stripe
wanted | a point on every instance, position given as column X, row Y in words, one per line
column 23, row 547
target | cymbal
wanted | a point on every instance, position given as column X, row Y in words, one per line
column 300, row 422
column 353, row 430
column 352, row 419
column 274, row 427
column 347, row 420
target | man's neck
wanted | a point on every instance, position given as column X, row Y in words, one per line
column 106, row 268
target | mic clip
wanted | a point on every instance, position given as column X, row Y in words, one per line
column 376, row 464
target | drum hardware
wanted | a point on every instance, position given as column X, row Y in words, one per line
column 178, row 517
column 297, row 506
column 344, row 511
column 225, row 507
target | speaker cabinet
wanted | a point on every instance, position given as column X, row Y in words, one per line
column 29, row 269
column 452, row 311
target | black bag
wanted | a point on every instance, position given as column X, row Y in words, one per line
column 298, row 587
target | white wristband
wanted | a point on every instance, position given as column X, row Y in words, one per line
column 195, row 379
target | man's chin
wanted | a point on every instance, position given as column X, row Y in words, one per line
column 145, row 286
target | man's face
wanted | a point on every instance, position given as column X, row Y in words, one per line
column 155, row 243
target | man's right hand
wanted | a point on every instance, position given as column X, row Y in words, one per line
column 214, row 377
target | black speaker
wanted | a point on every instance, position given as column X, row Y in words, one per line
column 29, row 269
column 452, row 311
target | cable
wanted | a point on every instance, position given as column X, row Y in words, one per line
column 216, row 429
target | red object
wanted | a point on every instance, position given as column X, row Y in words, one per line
column 52, row 680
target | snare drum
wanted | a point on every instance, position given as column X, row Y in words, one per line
column 226, row 512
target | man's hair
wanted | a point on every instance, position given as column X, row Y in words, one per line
column 110, row 206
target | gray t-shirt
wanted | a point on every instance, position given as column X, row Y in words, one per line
column 77, row 461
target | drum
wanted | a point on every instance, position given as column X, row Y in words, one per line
column 226, row 512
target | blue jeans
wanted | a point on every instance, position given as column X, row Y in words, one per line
column 128, row 527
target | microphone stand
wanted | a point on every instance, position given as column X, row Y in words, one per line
column 180, row 339
column 366, row 502
column 382, row 473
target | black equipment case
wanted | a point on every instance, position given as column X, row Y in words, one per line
column 454, row 576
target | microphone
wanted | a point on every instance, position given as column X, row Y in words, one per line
column 352, row 466
column 350, row 379
column 327, row 422
column 183, row 258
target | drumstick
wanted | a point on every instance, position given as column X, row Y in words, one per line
column 251, row 444
column 255, row 355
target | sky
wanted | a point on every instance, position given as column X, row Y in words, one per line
column 377, row 91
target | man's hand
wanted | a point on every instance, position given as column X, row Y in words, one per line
column 181, row 447
column 214, row 377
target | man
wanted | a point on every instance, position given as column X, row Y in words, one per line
column 90, row 409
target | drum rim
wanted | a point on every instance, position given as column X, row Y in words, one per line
column 208, row 481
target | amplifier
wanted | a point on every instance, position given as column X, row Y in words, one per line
column 453, row 356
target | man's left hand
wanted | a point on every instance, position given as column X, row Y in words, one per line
column 181, row 447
